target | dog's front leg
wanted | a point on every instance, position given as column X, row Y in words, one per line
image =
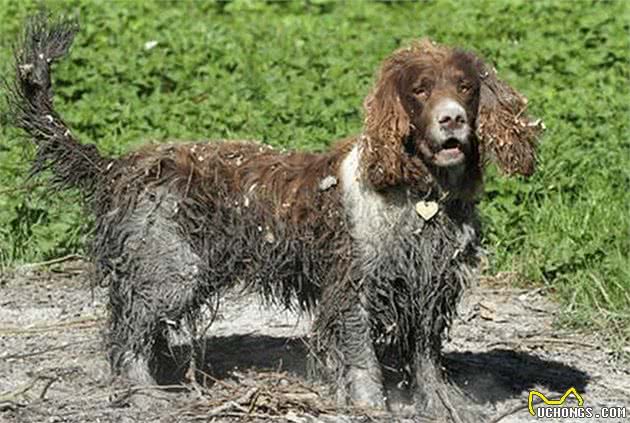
column 342, row 350
column 363, row 377
column 429, row 379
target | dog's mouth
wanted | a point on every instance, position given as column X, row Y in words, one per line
column 451, row 153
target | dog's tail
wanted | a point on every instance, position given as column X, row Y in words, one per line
column 30, row 103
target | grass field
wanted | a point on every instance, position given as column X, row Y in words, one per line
column 294, row 74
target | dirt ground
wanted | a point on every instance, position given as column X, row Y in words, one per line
column 53, row 367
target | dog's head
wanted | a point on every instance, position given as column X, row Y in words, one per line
column 424, row 109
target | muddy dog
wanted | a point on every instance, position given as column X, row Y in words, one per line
column 376, row 237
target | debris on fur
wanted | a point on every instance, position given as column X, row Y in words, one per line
column 328, row 182
column 505, row 127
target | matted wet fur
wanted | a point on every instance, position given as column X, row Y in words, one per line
column 339, row 234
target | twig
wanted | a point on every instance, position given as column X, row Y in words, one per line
column 509, row 413
column 499, row 291
column 452, row 411
column 31, row 354
column 210, row 418
column 223, row 408
column 83, row 322
column 56, row 260
column 121, row 395
column 10, row 397
column 254, row 399
column 47, row 386
column 536, row 341
column 189, row 181
column 215, row 380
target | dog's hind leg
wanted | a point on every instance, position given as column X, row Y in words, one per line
column 156, row 289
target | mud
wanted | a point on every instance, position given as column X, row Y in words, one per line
column 503, row 344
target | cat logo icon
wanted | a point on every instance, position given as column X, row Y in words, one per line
column 545, row 400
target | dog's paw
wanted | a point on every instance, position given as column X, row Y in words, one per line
column 365, row 389
column 446, row 403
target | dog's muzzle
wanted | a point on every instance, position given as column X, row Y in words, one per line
column 449, row 132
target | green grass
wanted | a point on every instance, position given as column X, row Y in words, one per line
column 295, row 74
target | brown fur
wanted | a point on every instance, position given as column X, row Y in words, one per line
column 288, row 182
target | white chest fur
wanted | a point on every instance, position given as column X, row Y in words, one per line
column 371, row 215
column 378, row 219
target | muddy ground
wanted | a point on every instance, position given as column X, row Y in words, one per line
column 53, row 367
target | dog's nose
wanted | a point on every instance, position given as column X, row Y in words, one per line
column 450, row 115
column 452, row 121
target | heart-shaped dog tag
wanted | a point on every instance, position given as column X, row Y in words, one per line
column 427, row 209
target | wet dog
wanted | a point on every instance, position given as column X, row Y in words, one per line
column 376, row 237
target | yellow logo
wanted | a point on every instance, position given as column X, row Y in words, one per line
column 545, row 400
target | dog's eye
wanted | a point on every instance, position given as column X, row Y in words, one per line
column 464, row 87
column 421, row 91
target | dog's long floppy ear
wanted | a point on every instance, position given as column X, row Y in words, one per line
column 508, row 135
column 386, row 128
